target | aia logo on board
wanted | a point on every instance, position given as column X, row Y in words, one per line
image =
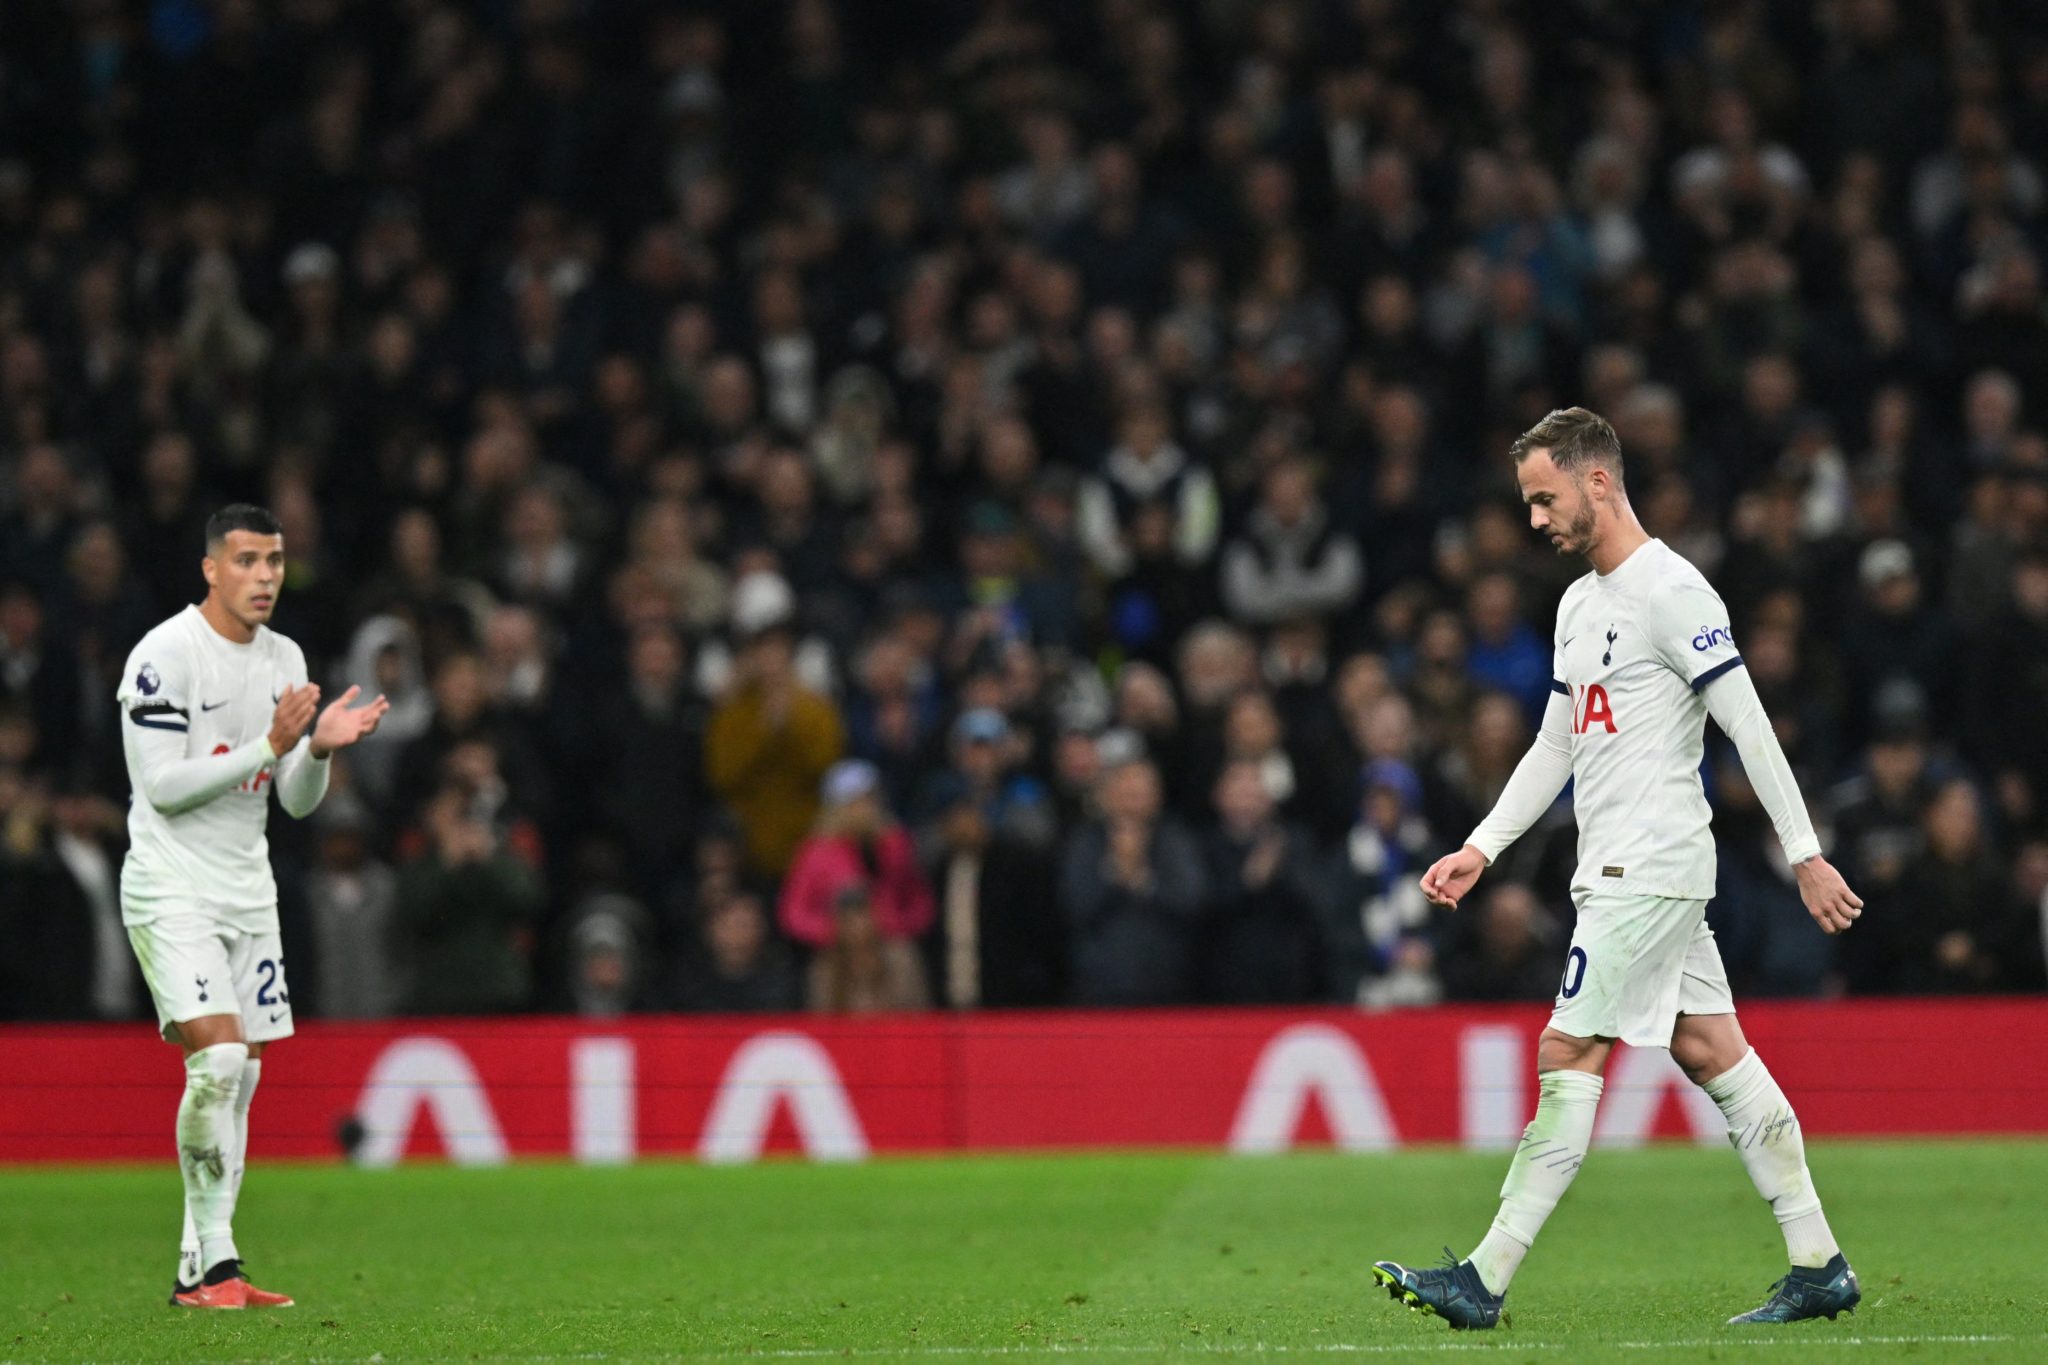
column 1590, row 707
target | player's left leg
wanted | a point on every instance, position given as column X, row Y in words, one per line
column 256, row 962
column 1707, row 1043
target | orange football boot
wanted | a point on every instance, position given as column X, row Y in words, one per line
column 235, row 1292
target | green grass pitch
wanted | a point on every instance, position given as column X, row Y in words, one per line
column 1117, row 1258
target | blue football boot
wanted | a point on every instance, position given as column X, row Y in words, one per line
column 1452, row 1291
column 1808, row 1293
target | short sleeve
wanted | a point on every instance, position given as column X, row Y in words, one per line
column 154, row 688
column 1692, row 633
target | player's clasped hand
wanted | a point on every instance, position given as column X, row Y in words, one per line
column 295, row 707
column 1452, row 875
column 1829, row 900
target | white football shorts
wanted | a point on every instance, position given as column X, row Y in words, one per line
column 1636, row 963
column 196, row 967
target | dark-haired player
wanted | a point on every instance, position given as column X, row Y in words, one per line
column 216, row 709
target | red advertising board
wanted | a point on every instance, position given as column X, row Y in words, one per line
column 482, row 1091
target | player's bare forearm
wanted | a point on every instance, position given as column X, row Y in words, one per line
column 1827, row 896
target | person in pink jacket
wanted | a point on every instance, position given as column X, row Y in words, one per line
column 856, row 844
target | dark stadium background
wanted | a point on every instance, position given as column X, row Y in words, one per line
column 579, row 346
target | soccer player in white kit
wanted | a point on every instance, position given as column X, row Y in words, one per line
column 1643, row 656
column 215, row 706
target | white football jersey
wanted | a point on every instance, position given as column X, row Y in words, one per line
column 1634, row 649
column 188, row 692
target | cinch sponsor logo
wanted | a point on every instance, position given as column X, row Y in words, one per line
column 1710, row 636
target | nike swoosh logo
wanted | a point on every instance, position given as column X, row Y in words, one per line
column 1568, row 642
column 211, row 705
column 275, row 1017
column 276, row 697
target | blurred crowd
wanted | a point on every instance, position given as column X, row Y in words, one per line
column 975, row 503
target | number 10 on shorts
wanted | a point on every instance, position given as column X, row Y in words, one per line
column 1574, row 974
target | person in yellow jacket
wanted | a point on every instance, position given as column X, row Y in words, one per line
column 771, row 738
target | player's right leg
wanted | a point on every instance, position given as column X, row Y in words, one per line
column 1708, row 1044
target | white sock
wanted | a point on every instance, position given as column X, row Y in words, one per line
column 252, row 1072
column 206, row 1144
column 1553, row 1148
column 189, row 1269
column 1765, row 1133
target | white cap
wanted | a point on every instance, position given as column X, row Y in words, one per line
column 1884, row 561
column 311, row 261
column 760, row 601
column 849, row 780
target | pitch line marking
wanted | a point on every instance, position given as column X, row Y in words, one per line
column 1161, row 1348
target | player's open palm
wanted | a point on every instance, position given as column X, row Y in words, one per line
column 1452, row 875
column 340, row 726
column 1829, row 900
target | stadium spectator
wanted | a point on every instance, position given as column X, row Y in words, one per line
column 862, row 969
column 467, row 909
column 856, row 846
column 1146, row 472
column 1894, row 637
column 1760, row 924
column 1505, row 655
column 738, row 967
column 770, row 742
column 1291, row 562
column 1953, row 925
column 1505, row 947
column 50, row 975
column 999, row 940
column 1368, row 884
column 1131, row 881
column 609, row 971
column 1267, row 941
column 360, row 964
column 643, row 763
column 38, row 675
column 984, row 772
